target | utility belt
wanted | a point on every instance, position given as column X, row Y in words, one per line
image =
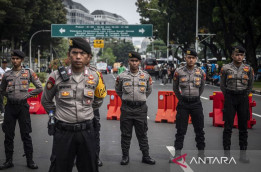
column 16, row 102
column 86, row 125
column 190, row 98
column 134, row 103
column 237, row 92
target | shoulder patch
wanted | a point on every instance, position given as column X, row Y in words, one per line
column 93, row 68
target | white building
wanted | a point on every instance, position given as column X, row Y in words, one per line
column 103, row 17
column 77, row 13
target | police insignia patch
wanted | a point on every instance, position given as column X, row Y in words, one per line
column 150, row 80
column 246, row 69
column 88, row 101
column 142, row 76
column 142, row 89
column 35, row 75
column 65, row 93
column 91, row 77
column 49, row 85
column 91, row 82
column 90, row 93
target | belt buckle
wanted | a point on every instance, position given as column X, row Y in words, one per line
column 77, row 127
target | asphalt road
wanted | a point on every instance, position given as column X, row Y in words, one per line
column 161, row 137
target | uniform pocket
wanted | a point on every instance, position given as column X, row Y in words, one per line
column 66, row 97
column 197, row 82
column 88, row 96
column 245, row 79
column 24, row 85
column 183, row 82
column 127, row 87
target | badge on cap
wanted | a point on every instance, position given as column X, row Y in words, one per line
column 188, row 52
column 130, row 55
column 91, row 77
column 70, row 42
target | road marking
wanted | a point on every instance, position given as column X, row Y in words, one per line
column 113, row 76
column 256, row 115
column 172, row 152
column 204, row 98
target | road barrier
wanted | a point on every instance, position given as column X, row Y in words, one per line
column 114, row 107
column 167, row 104
column 35, row 104
column 217, row 114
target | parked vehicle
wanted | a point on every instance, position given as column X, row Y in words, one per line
column 116, row 66
column 149, row 66
column 102, row 67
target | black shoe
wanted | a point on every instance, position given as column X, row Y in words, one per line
column 243, row 157
column 177, row 154
column 32, row 165
column 125, row 160
column 7, row 164
column 148, row 160
column 99, row 162
column 201, row 156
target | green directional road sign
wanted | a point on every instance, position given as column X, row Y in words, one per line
column 64, row 30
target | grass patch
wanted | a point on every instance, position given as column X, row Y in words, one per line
column 257, row 85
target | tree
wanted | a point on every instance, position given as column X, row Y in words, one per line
column 108, row 56
column 158, row 46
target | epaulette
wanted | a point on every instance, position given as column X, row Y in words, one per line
column 93, row 68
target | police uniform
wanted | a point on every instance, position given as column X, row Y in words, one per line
column 2, row 71
column 96, row 119
column 191, row 83
column 15, row 85
column 236, row 84
column 74, row 136
column 133, row 90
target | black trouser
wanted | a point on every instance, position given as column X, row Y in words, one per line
column 2, row 110
column 97, row 128
column 20, row 113
column 70, row 144
column 157, row 75
column 240, row 104
column 196, row 111
column 134, row 117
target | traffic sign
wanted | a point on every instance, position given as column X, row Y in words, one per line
column 97, row 43
column 65, row 30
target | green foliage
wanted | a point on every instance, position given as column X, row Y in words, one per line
column 42, row 76
column 158, row 46
column 108, row 56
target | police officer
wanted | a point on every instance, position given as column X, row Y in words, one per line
column 190, row 80
column 236, row 84
column 96, row 119
column 134, row 87
column 3, row 69
column 74, row 136
column 15, row 86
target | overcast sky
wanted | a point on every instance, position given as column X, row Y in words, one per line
column 125, row 8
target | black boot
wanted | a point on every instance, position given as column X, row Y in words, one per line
column 125, row 160
column 243, row 157
column 227, row 151
column 125, row 157
column 99, row 162
column 30, row 163
column 201, row 155
column 147, row 159
column 8, row 164
column 177, row 154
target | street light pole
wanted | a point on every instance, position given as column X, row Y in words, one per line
column 168, row 42
column 196, row 44
column 30, row 48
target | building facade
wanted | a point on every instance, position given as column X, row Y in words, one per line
column 106, row 18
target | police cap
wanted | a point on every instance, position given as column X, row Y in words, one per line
column 4, row 60
column 134, row 54
column 18, row 53
column 191, row 52
column 81, row 44
column 239, row 49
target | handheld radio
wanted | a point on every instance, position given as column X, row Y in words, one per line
column 61, row 69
